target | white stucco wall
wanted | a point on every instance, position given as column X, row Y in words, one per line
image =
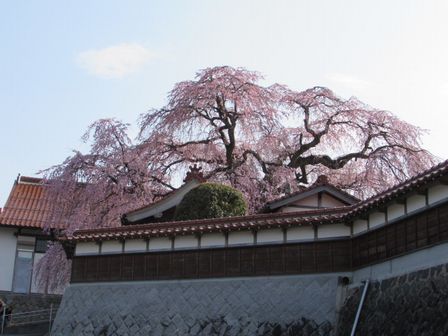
column 159, row 243
column 310, row 201
column 437, row 193
column 84, row 248
column 213, row 239
column 270, row 236
column 359, row 225
column 307, row 202
column 134, row 245
column 376, row 219
column 333, row 230
column 329, row 201
column 415, row 202
column 182, row 242
column 8, row 254
column 241, row 237
column 395, row 211
column 300, row 233
column 112, row 246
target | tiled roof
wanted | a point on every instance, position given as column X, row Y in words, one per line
column 27, row 205
column 320, row 184
column 257, row 222
column 271, row 220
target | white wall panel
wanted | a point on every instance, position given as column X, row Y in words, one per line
column 333, row 230
column 359, row 225
column 241, row 237
column 376, row 219
column 395, row 211
column 8, row 254
column 112, row 246
column 269, row 236
column 134, row 245
column 437, row 193
column 213, row 239
column 83, row 248
column 185, row 242
column 300, row 233
column 159, row 243
column 415, row 202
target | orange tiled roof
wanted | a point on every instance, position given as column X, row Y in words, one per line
column 27, row 204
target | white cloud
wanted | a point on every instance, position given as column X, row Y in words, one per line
column 349, row 81
column 115, row 61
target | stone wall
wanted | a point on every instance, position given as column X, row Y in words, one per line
column 282, row 305
column 412, row 304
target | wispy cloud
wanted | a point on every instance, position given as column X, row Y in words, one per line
column 349, row 81
column 116, row 61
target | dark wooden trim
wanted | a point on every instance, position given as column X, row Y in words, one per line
column 418, row 231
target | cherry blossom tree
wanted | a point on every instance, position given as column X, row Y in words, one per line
column 263, row 140
column 94, row 190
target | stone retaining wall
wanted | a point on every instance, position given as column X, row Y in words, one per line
column 412, row 304
column 283, row 305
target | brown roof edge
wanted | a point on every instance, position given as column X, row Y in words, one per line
column 157, row 202
column 415, row 182
column 222, row 220
column 28, row 179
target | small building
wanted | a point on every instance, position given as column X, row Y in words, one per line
column 23, row 240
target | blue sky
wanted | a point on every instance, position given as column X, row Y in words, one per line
column 64, row 64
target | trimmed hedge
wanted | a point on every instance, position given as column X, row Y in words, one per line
column 211, row 200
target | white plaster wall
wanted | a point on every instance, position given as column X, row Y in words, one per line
column 307, row 202
column 415, row 202
column 376, row 219
column 241, row 237
column 8, row 254
column 112, row 246
column 300, row 233
column 329, row 201
column 437, row 193
column 359, row 225
column 270, row 236
column 310, row 201
column 395, row 211
column 134, row 245
column 181, row 242
column 160, row 243
column 34, row 287
column 84, row 248
column 333, row 230
column 213, row 239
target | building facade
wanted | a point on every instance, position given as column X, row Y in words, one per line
column 279, row 273
column 23, row 240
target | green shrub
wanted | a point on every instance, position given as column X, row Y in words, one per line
column 211, row 200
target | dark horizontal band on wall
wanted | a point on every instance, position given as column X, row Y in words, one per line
column 410, row 234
